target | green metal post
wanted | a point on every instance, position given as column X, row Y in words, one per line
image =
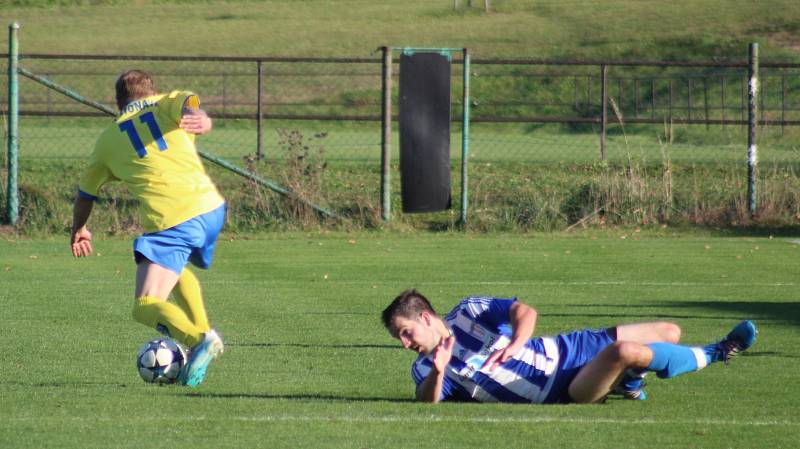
column 752, row 119
column 464, row 138
column 603, row 109
column 386, row 135
column 12, row 193
column 259, row 114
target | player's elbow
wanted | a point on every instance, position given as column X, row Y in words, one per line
column 422, row 395
column 524, row 310
column 429, row 400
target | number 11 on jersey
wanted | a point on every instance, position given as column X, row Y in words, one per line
column 150, row 120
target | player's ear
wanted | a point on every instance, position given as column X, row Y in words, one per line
column 425, row 317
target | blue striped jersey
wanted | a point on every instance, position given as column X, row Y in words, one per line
column 481, row 326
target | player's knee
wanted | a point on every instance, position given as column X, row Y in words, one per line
column 671, row 332
column 629, row 353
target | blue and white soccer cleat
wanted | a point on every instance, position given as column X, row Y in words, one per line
column 631, row 386
column 739, row 339
column 635, row 395
column 194, row 373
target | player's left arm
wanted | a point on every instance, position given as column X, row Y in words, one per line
column 522, row 319
column 193, row 119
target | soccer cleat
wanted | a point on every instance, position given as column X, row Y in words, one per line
column 635, row 395
column 739, row 339
column 631, row 386
column 194, row 373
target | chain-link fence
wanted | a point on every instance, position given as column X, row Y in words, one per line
column 540, row 151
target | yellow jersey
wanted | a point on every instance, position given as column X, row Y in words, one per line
column 146, row 149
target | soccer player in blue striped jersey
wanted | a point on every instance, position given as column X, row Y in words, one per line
column 483, row 351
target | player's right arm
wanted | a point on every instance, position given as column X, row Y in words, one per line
column 522, row 319
column 81, row 237
column 430, row 390
column 97, row 174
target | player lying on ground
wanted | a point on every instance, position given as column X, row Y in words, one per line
column 482, row 351
column 150, row 147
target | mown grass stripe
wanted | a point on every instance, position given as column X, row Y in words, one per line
column 426, row 419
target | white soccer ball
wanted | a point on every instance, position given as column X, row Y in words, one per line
column 160, row 361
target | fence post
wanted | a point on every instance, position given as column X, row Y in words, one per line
column 603, row 109
column 705, row 102
column 12, row 192
column 671, row 99
column 386, row 135
column 783, row 99
column 722, row 101
column 752, row 122
column 259, row 116
column 464, row 138
column 653, row 98
column 224, row 94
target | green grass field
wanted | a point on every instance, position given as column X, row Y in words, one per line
column 308, row 363
column 682, row 29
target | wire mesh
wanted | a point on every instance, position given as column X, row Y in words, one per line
column 527, row 118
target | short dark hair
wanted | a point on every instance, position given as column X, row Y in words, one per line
column 408, row 304
column 132, row 85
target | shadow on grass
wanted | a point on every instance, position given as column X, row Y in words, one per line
column 293, row 397
column 777, row 231
column 781, row 311
column 314, row 346
column 64, row 384
column 625, row 318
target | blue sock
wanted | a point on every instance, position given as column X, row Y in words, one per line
column 671, row 360
column 713, row 352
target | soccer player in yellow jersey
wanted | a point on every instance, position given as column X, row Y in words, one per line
column 150, row 148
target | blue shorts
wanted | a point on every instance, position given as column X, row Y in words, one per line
column 191, row 241
column 576, row 350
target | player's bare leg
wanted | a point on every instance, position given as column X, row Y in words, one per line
column 154, row 280
column 645, row 333
column 595, row 380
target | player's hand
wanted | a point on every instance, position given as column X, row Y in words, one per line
column 81, row 242
column 501, row 356
column 442, row 353
column 195, row 121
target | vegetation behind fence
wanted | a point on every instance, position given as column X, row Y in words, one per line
column 675, row 145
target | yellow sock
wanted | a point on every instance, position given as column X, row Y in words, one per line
column 164, row 316
column 189, row 298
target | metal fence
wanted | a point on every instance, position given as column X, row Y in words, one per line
column 525, row 114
